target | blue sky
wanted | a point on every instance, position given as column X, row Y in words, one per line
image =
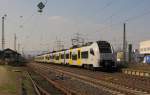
column 94, row 19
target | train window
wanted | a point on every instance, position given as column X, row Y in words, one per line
column 74, row 57
column 47, row 57
column 91, row 51
column 84, row 54
column 67, row 56
column 79, row 54
column 104, row 47
column 62, row 56
column 57, row 57
column 106, row 50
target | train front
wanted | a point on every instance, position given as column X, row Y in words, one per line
column 106, row 55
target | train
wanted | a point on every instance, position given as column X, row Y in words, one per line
column 99, row 54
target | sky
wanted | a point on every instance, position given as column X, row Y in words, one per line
column 61, row 19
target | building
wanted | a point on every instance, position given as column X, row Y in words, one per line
column 144, row 51
column 144, row 48
column 8, row 56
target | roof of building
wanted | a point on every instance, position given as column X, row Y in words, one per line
column 8, row 50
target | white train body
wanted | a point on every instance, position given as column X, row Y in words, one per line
column 97, row 54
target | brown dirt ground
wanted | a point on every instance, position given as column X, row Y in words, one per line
column 143, row 67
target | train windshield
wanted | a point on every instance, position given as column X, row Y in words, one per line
column 104, row 47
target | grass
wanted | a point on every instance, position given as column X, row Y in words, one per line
column 27, row 84
column 10, row 82
column 12, row 79
column 8, row 88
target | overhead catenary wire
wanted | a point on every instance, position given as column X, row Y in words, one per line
column 129, row 19
column 116, row 13
column 107, row 5
column 137, row 16
column 120, row 11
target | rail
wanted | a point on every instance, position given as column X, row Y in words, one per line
column 38, row 89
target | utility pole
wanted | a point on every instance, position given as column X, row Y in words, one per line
column 15, row 41
column 124, row 43
column 3, row 39
column 18, row 47
column 22, row 52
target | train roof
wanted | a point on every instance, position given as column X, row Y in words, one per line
column 76, row 46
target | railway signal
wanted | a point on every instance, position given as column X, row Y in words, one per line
column 41, row 5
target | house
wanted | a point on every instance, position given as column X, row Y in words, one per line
column 11, row 57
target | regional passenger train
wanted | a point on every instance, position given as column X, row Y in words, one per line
column 92, row 55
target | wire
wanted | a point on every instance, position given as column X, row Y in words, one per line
column 108, row 4
column 28, row 19
column 127, row 20
column 120, row 11
column 138, row 16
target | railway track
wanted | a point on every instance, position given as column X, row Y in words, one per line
column 43, row 86
column 106, row 85
column 128, row 81
column 39, row 90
